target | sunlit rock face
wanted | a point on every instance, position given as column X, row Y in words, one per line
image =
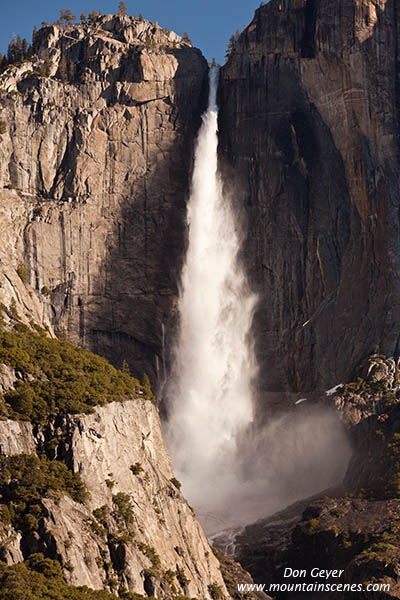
column 309, row 130
column 104, row 448
column 95, row 165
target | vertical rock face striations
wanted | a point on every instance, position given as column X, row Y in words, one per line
column 309, row 121
column 95, row 156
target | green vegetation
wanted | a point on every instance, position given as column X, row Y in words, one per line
column 380, row 551
column 312, row 525
column 101, row 514
column 25, row 479
column 147, row 388
column 151, row 554
column 169, row 576
column 22, row 272
column 66, row 17
column 57, row 377
column 93, row 16
column 216, row 592
column 136, row 468
column 96, row 528
column 157, row 508
column 3, row 127
column 40, row 578
column 181, row 577
column 176, row 483
column 369, row 385
column 45, row 291
column 17, row 52
column 123, row 511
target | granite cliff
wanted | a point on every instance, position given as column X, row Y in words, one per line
column 309, row 125
column 135, row 531
column 95, row 156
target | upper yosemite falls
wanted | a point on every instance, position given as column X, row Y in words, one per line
column 210, row 393
column 218, row 246
column 211, row 432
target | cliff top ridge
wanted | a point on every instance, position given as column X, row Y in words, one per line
column 78, row 52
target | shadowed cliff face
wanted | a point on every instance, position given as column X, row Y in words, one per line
column 98, row 161
column 309, row 124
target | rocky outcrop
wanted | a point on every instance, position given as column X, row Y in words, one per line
column 374, row 388
column 136, row 530
column 354, row 527
column 234, row 574
column 356, row 537
column 95, row 156
column 309, row 131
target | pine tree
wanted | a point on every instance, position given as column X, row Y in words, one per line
column 11, row 50
column 147, row 387
column 125, row 368
column 83, row 17
column 25, row 48
column 34, row 34
column 186, row 37
column 18, row 49
column 237, row 35
column 140, row 17
column 93, row 16
column 121, row 8
column 231, row 46
column 66, row 17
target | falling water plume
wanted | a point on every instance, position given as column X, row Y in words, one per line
column 211, row 388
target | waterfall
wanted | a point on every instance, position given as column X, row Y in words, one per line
column 233, row 470
column 210, row 387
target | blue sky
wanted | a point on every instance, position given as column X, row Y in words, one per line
column 209, row 23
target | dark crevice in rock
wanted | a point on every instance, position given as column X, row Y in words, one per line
column 308, row 41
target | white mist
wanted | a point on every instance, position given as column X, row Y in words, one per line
column 209, row 393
